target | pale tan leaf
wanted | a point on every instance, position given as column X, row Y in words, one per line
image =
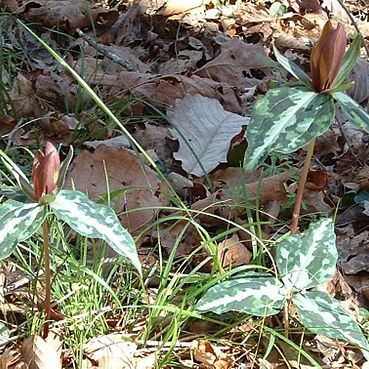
column 204, row 131
column 111, row 351
column 39, row 354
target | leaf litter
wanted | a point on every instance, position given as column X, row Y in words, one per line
column 183, row 76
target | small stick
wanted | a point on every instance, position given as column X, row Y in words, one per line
column 105, row 50
column 352, row 19
column 301, row 187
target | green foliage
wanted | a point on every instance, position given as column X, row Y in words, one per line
column 19, row 221
column 95, row 221
column 286, row 119
column 289, row 117
column 303, row 262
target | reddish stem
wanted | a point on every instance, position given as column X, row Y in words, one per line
column 301, row 187
column 47, row 302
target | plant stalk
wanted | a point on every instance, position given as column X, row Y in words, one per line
column 47, row 302
column 301, row 187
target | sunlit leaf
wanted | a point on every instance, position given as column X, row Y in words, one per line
column 257, row 294
column 18, row 221
column 292, row 68
column 348, row 62
column 354, row 112
column 96, row 221
column 284, row 120
column 307, row 259
column 323, row 315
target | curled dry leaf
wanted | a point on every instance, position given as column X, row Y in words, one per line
column 204, row 131
column 66, row 15
column 210, row 356
column 39, row 354
column 132, row 184
column 233, row 253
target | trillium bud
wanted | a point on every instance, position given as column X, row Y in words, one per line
column 45, row 171
column 327, row 55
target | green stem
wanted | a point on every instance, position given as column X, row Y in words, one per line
column 47, row 302
column 301, row 187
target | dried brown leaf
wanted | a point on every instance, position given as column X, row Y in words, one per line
column 126, row 172
column 39, row 354
column 233, row 253
column 64, row 14
column 239, row 64
column 111, row 351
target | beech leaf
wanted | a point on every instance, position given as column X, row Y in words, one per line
column 204, row 131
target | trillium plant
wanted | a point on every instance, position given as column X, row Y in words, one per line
column 303, row 262
column 293, row 115
column 47, row 199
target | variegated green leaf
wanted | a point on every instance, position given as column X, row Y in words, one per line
column 284, row 120
column 354, row 112
column 256, row 294
column 95, row 221
column 323, row 315
column 18, row 221
column 292, row 68
column 307, row 259
column 348, row 61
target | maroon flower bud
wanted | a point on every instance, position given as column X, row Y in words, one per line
column 327, row 55
column 45, row 171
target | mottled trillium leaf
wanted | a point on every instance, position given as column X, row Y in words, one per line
column 95, row 221
column 348, row 62
column 257, row 294
column 22, row 180
column 284, row 120
column 308, row 259
column 18, row 222
column 292, row 68
column 321, row 314
column 354, row 112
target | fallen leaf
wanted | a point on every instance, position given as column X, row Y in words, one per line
column 210, row 356
column 239, row 64
column 64, row 14
column 177, row 7
column 233, row 253
column 135, row 182
column 24, row 101
column 353, row 253
column 204, row 131
column 161, row 90
column 360, row 77
column 7, row 124
column 39, row 354
column 111, row 351
column 115, row 142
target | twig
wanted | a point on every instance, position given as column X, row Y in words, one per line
column 105, row 50
column 353, row 21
